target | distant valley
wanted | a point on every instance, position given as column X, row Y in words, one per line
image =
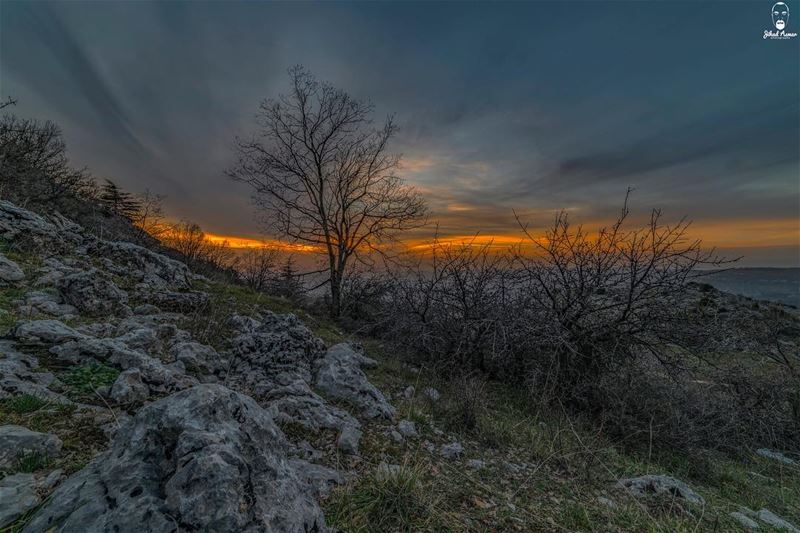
column 774, row 284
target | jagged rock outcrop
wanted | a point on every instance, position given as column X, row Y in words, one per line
column 204, row 459
column 205, row 456
column 18, row 441
column 54, row 234
column 44, row 332
column 152, row 269
column 92, row 292
column 20, row 493
column 20, row 374
column 338, row 374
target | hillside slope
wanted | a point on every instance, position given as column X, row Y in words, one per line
column 137, row 396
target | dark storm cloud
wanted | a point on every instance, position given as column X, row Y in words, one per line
column 70, row 55
column 501, row 105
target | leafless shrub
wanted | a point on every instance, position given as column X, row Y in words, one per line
column 599, row 302
column 257, row 267
column 727, row 409
column 454, row 307
column 200, row 254
column 465, row 401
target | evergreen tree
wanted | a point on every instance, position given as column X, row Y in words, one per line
column 117, row 201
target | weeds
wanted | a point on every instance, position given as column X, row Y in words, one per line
column 85, row 380
column 393, row 498
column 26, row 403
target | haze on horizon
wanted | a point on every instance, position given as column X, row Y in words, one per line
column 531, row 106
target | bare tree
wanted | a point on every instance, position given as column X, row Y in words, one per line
column 150, row 215
column 33, row 163
column 323, row 177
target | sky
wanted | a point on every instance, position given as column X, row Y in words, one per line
column 530, row 106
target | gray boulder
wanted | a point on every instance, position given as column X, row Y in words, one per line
column 9, row 270
column 270, row 346
column 744, row 520
column 149, row 268
column 431, row 394
column 198, row 358
column 292, row 400
column 660, row 485
column 17, row 441
column 408, row 392
column 451, row 451
column 54, row 234
column 205, row 459
column 407, row 429
column 776, row 456
column 348, row 440
column 44, row 332
column 45, row 303
column 18, row 495
column 20, row 374
column 773, row 520
column 92, row 292
column 129, row 388
column 338, row 375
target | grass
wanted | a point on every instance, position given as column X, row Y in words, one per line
column 545, row 468
column 33, row 462
column 545, row 471
column 78, row 430
column 23, row 404
column 84, row 380
column 396, row 499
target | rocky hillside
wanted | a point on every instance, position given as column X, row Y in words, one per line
column 136, row 396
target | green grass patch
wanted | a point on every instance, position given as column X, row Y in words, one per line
column 397, row 499
column 33, row 462
column 85, row 380
column 23, row 404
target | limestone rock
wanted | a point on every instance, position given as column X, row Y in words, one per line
column 776, row 456
column 20, row 374
column 129, row 388
column 151, row 269
column 9, row 270
column 432, row 394
column 292, row 400
column 348, row 440
column 660, row 485
column 17, row 441
column 204, row 459
column 451, row 451
column 771, row 519
column 745, row 521
column 92, row 292
column 18, row 495
column 339, row 376
column 198, row 358
column 44, row 332
column 407, row 429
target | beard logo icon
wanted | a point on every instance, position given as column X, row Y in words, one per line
column 780, row 20
column 780, row 15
